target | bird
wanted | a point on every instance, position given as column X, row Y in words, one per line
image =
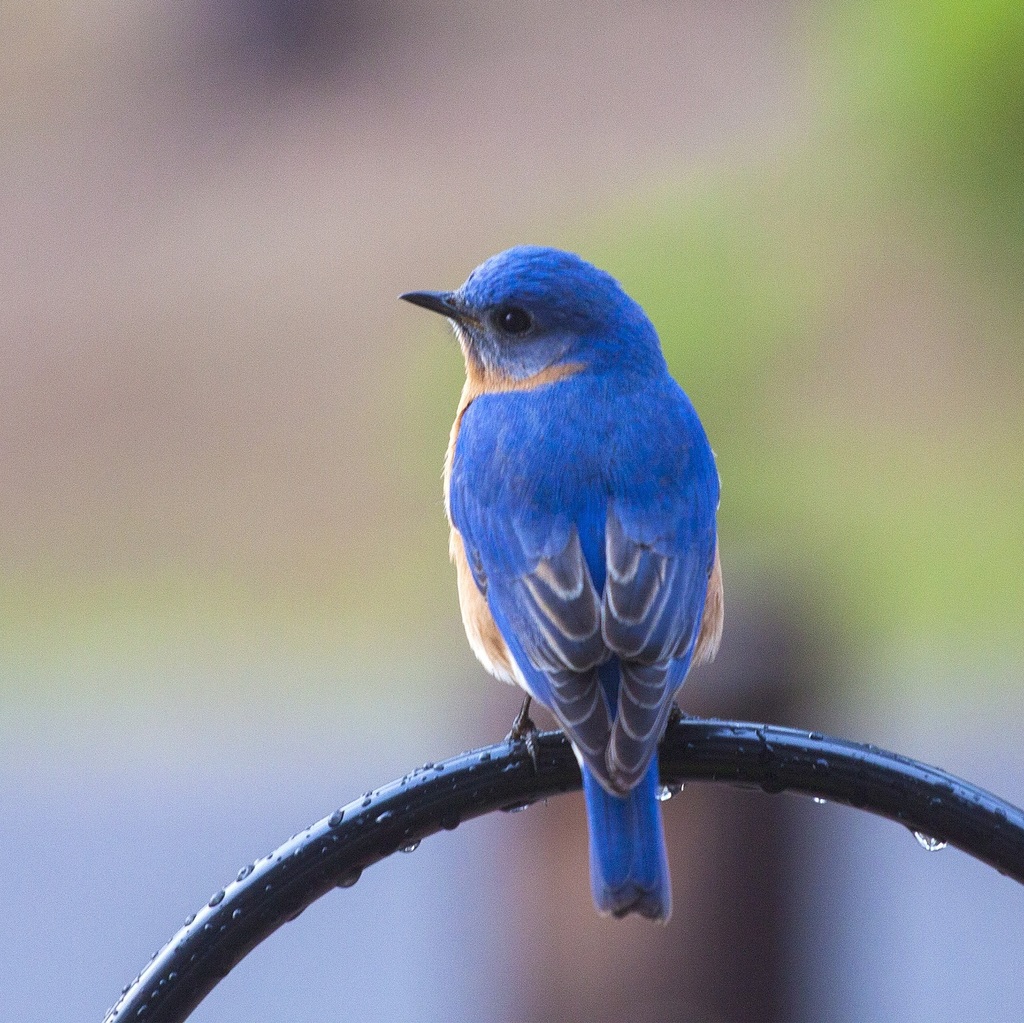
column 582, row 495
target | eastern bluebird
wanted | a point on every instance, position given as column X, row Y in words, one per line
column 581, row 492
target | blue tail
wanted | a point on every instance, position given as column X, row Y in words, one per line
column 628, row 861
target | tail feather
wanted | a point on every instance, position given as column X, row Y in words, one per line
column 628, row 860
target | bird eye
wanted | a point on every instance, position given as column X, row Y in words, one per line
column 511, row 319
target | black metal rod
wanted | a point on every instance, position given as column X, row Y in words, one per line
column 334, row 851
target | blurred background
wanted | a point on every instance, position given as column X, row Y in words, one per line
column 225, row 600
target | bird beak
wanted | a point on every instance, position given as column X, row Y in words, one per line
column 442, row 302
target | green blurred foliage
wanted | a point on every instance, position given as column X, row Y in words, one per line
column 933, row 94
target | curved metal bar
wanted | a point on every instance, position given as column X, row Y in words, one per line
column 334, row 851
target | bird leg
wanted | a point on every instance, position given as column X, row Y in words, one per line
column 524, row 730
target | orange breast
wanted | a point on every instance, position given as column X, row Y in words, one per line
column 713, row 620
column 481, row 630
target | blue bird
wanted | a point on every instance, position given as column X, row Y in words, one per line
column 582, row 492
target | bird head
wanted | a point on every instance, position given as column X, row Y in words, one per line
column 531, row 309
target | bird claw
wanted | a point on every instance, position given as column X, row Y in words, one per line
column 524, row 730
column 675, row 715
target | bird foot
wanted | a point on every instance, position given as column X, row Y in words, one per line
column 524, row 730
column 675, row 715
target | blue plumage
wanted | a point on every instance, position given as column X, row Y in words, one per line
column 628, row 860
column 582, row 495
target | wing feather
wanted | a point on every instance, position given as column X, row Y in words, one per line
column 550, row 615
column 651, row 613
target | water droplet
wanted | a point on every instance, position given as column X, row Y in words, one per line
column 484, row 757
column 666, row 792
column 516, row 807
column 820, row 801
column 336, row 818
column 438, row 767
column 190, row 919
column 409, row 847
column 217, row 898
column 929, row 843
column 428, row 765
column 385, row 816
column 245, row 872
column 349, row 879
column 450, row 821
column 366, row 801
column 235, row 914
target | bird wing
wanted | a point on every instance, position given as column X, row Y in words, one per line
column 544, row 602
column 659, row 558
